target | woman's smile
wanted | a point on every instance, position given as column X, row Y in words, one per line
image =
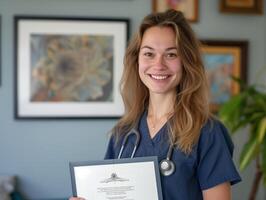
column 159, row 77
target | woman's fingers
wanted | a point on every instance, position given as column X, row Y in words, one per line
column 76, row 198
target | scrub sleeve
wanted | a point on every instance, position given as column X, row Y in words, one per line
column 215, row 151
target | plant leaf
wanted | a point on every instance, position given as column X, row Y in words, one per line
column 248, row 152
column 261, row 130
column 240, row 124
column 263, row 163
column 241, row 83
column 229, row 113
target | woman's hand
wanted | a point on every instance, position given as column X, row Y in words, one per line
column 76, row 198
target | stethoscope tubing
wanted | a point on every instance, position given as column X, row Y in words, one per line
column 137, row 134
column 170, row 164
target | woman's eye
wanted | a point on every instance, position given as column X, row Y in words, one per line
column 171, row 55
column 148, row 54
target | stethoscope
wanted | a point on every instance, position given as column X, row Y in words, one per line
column 167, row 166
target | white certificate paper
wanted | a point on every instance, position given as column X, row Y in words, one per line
column 118, row 179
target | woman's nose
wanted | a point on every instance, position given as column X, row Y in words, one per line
column 159, row 62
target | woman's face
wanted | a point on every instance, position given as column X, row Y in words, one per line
column 160, row 67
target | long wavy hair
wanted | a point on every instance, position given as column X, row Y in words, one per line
column 191, row 108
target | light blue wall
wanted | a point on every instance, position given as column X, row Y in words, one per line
column 38, row 152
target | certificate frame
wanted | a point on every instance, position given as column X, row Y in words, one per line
column 76, row 169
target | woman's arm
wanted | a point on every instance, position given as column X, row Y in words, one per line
column 219, row 192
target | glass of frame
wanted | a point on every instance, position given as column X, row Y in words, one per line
column 188, row 7
column 242, row 6
column 69, row 67
column 222, row 60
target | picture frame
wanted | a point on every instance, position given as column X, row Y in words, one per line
column 224, row 59
column 69, row 67
column 0, row 50
column 189, row 8
column 242, row 6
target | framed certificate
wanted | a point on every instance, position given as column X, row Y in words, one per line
column 127, row 179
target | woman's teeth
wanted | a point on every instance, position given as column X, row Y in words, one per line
column 158, row 77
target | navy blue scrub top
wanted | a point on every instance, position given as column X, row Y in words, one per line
column 209, row 164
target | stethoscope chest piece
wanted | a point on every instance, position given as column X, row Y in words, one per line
column 167, row 167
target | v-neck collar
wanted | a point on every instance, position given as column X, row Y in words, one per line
column 146, row 133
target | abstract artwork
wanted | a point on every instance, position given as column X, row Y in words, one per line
column 222, row 61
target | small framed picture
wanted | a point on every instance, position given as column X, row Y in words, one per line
column 188, row 7
column 69, row 67
column 0, row 50
column 242, row 6
column 222, row 60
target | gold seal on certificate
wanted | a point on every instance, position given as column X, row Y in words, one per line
column 118, row 179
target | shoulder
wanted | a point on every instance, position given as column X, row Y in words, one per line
column 215, row 133
column 112, row 147
column 212, row 125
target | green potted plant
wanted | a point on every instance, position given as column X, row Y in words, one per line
column 248, row 109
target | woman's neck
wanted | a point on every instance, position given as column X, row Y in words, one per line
column 161, row 108
column 160, row 105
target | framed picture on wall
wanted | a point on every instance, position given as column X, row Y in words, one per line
column 0, row 50
column 69, row 67
column 242, row 6
column 188, row 7
column 222, row 60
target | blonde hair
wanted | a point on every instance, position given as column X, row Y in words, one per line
column 191, row 109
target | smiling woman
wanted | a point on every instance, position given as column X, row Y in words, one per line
column 164, row 88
